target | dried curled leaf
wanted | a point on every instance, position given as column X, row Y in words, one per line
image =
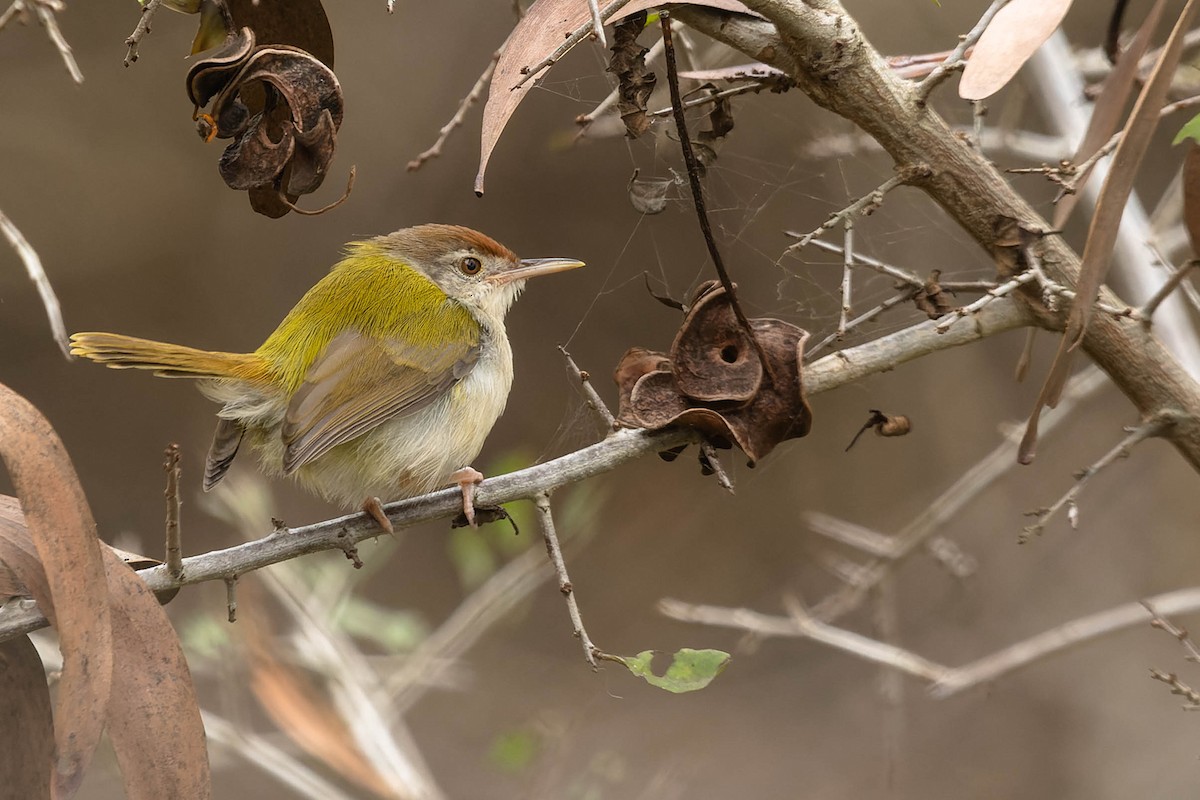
column 281, row 104
column 59, row 560
column 635, row 83
column 27, row 735
column 714, row 381
column 931, row 298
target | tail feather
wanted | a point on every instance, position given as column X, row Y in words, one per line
column 166, row 360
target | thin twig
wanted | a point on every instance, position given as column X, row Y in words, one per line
column 903, row 275
column 1164, row 291
column 947, row 505
column 597, row 23
column 33, row 265
column 718, row 469
column 954, row 61
column 143, row 30
column 991, row 294
column 693, row 171
column 826, row 374
column 847, row 266
column 528, row 73
column 1155, row 426
column 456, row 121
column 864, row 205
column 746, row 88
column 945, row 681
column 1181, row 635
column 174, row 556
column 861, row 319
column 231, row 603
column 45, row 14
column 554, row 550
column 594, row 401
column 585, row 120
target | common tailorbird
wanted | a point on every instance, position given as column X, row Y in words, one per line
column 383, row 381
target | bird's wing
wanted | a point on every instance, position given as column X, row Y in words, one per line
column 359, row 382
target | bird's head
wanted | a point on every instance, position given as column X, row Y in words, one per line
column 473, row 269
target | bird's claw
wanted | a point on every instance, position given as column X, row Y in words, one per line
column 374, row 508
column 467, row 478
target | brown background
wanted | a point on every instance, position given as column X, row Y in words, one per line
column 124, row 205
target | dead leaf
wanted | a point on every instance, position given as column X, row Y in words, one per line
column 26, row 724
column 1108, row 108
column 635, row 83
column 153, row 716
column 74, row 592
column 1191, row 195
column 1110, row 206
column 1013, row 35
column 931, row 299
column 539, row 33
column 714, row 382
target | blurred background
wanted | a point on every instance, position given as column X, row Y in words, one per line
column 110, row 184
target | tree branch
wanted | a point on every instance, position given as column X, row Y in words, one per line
column 821, row 48
column 19, row 617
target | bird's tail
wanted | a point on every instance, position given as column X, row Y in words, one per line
column 166, row 360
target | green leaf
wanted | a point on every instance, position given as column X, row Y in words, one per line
column 1189, row 131
column 690, row 669
column 512, row 751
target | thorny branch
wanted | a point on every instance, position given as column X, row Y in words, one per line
column 865, row 205
column 141, row 31
column 944, row 681
column 1155, row 426
column 282, row 544
column 554, row 551
column 456, row 121
column 954, row 61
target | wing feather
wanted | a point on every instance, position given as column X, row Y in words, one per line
column 359, row 382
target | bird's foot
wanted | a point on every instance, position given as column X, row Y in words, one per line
column 484, row 515
column 466, row 478
column 373, row 507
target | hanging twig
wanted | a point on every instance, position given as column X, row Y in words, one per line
column 594, row 401
column 174, row 555
column 456, row 121
column 554, row 550
column 143, row 30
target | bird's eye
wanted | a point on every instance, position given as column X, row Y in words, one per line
column 470, row 265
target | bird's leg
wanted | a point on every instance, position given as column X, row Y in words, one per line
column 466, row 478
column 373, row 507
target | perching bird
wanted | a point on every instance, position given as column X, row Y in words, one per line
column 383, row 381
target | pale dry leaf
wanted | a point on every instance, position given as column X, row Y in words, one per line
column 1191, row 195
column 26, row 725
column 1014, row 34
column 1106, row 220
column 63, row 535
column 1109, row 106
column 153, row 716
column 635, row 6
column 539, row 33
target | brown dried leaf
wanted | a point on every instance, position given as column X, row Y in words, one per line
column 720, row 119
column 299, row 23
column 26, row 724
column 1110, row 206
column 1191, row 195
column 154, row 717
column 1109, row 106
column 729, row 401
column 75, row 594
column 635, row 83
column 1013, row 35
column 646, row 5
column 931, row 299
column 539, row 33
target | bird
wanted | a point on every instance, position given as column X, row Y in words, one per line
column 383, row 381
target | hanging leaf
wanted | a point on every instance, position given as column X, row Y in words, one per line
column 1014, row 34
column 690, row 670
column 27, row 735
column 635, row 83
column 648, row 195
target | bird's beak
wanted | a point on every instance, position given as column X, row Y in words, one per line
column 532, row 267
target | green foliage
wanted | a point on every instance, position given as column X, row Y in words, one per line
column 1191, row 130
column 690, row 669
column 394, row 630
